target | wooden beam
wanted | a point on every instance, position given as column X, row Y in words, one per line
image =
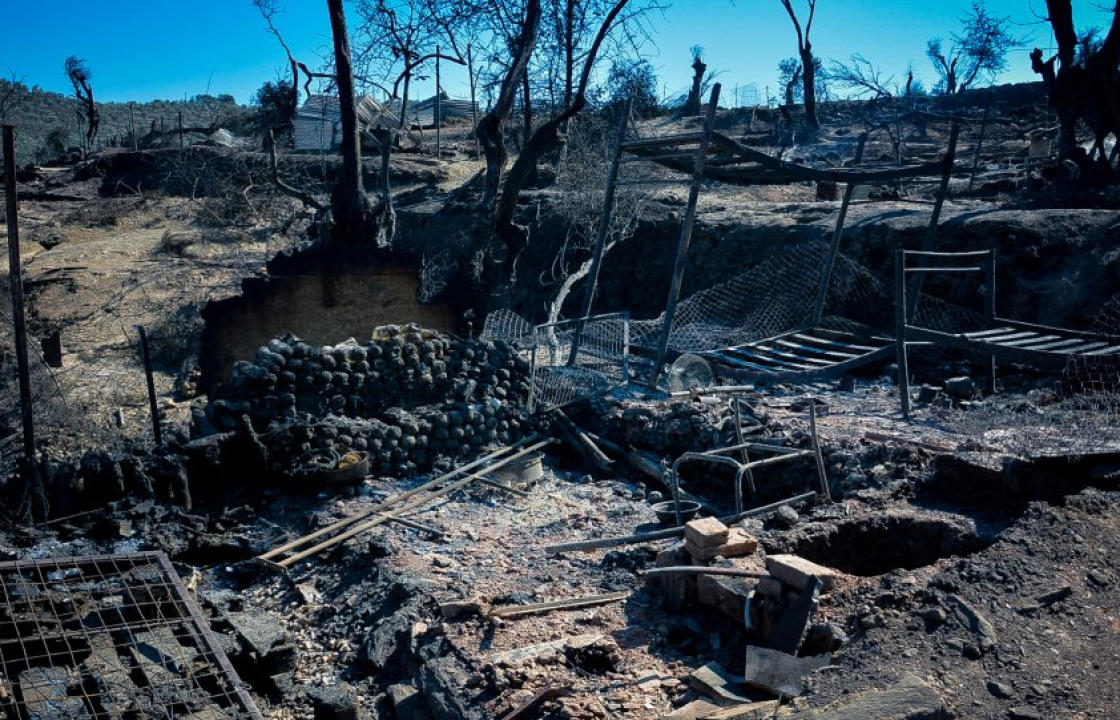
column 685, row 237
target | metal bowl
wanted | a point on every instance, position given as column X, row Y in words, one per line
column 666, row 511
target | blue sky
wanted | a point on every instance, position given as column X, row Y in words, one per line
column 167, row 50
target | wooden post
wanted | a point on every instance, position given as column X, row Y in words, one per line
column 990, row 314
column 438, row 107
column 980, row 140
column 837, row 233
column 474, row 103
column 686, row 237
column 900, row 330
column 915, row 288
column 15, row 281
column 181, row 128
column 151, row 384
column 132, row 124
column 592, row 279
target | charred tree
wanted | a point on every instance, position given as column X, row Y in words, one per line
column 355, row 218
column 547, row 137
column 489, row 130
column 692, row 103
column 808, row 62
column 1084, row 88
column 78, row 73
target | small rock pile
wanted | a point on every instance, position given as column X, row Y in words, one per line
column 413, row 399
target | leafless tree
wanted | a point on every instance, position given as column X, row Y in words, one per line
column 79, row 75
column 979, row 51
column 1082, row 81
column 863, row 78
column 521, row 43
column 805, row 53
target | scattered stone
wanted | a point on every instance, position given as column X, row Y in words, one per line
column 909, row 699
column 779, row 672
column 762, row 710
column 961, row 388
column 928, row 393
column 785, row 517
column 408, row 703
column 442, row 561
column 333, row 702
column 265, row 642
column 718, row 684
column 705, row 533
column 823, row 637
column 459, row 609
column 985, row 633
column 934, row 618
column 999, row 689
column 1098, row 578
column 593, row 654
column 1024, row 713
column 796, row 571
column 1057, row 595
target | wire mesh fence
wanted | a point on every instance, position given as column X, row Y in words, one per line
column 570, row 359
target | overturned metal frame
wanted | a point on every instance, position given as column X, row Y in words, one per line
column 745, row 467
column 1039, row 346
column 548, row 354
column 110, row 636
column 713, row 155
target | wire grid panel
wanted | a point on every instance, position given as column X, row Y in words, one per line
column 601, row 360
column 109, row 636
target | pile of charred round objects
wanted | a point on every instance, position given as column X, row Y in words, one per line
column 413, row 399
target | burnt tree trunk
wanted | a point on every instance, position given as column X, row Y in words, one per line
column 548, row 136
column 809, row 85
column 489, row 131
column 692, row 104
column 355, row 219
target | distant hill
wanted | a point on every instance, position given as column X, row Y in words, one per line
column 36, row 114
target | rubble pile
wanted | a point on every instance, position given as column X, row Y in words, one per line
column 410, row 399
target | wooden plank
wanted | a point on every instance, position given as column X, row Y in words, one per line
column 1081, row 349
column 1105, row 351
column 986, row 333
column 837, row 343
column 813, row 350
column 565, row 604
column 787, row 356
column 734, row 362
column 1031, row 342
column 996, row 339
column 752, row 356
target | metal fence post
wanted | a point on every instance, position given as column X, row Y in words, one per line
column 156, row 432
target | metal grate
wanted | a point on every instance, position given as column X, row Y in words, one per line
column 601, row 362
column 109, row 636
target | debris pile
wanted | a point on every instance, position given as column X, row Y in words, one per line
column 409, row 400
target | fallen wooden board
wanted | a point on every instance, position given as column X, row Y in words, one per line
column 566, row 604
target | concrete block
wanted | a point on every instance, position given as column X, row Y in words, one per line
column 705, row 532
column 779, row 672
column 795, row 571
column 738, row 544
column 769, row 586
column 724, row 594
column 678, row 591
